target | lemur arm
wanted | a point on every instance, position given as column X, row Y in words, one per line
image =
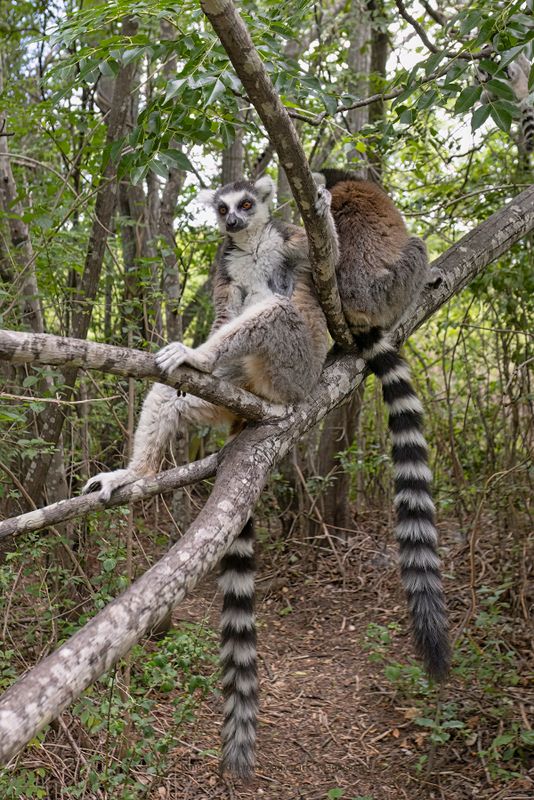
column 297, row 243
column 227, row 300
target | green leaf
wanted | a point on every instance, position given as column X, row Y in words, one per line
column 501, row 116
column 425, row 722
column 502, row 740
column 528, row 738
column 138, row 174
column 408, row 116
column 173, row 88
column 130, row 55
column 217, row 91
column 427, row 99
column 330, row 102
column 158, row 168
column 467, row 99
column 176, row 159
column 109, row 69
column 433, row 61
column 480, row 116
column 500, row 88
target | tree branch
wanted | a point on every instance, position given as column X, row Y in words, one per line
column 86, row 504
column 236, row 40
column 46, row 690
column 418, row 28
column 26, row 348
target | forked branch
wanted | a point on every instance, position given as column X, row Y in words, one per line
column 142, row 489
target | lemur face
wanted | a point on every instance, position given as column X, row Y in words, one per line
column 240, row 206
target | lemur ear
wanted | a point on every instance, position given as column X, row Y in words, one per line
column 265, row 188
column 319, row 178
column 206, row 197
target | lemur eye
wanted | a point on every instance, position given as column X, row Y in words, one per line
column 222, row 210
column 246, row 204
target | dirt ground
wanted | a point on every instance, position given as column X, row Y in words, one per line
column 329, row 719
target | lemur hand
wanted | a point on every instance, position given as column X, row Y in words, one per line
column 323, row 201
column 106, row 482
column 176, row 354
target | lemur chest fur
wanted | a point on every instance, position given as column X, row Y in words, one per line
column 260, row 268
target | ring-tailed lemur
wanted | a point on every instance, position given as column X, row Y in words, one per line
column 380, row 273
column 270, row 337
column 518, row 73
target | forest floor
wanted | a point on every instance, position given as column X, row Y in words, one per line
column 331, row 725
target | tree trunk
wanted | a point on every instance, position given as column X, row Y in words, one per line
column 53, row 417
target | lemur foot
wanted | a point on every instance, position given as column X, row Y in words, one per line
column 106, row 482
column 323, row 201
column 436, row 277
column 176, row 354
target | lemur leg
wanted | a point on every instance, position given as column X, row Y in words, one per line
column 383, row 298
column 270, row 341
column 158, row 424
column 204, row 357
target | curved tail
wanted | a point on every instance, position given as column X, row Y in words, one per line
column 415, row 529
column 238, row 655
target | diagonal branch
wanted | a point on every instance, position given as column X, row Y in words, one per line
column 46, row 690
column 27, row 348
column 236, row 40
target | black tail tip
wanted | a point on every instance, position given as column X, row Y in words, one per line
column 239, row 769
column 435, row 654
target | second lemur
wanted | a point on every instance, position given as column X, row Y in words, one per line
column 381, row 272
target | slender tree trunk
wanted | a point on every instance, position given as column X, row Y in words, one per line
column 359, row 63
column 31, row 311
column 53, row 417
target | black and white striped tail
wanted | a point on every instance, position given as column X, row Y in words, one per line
column 527, row 124
column 415, row 529
column 238, row 655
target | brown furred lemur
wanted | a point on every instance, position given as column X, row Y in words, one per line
column 381, row 272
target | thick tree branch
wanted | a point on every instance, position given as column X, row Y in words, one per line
column 86, row 504
column 46, row 690
column 236, row 40
column 27, row 348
